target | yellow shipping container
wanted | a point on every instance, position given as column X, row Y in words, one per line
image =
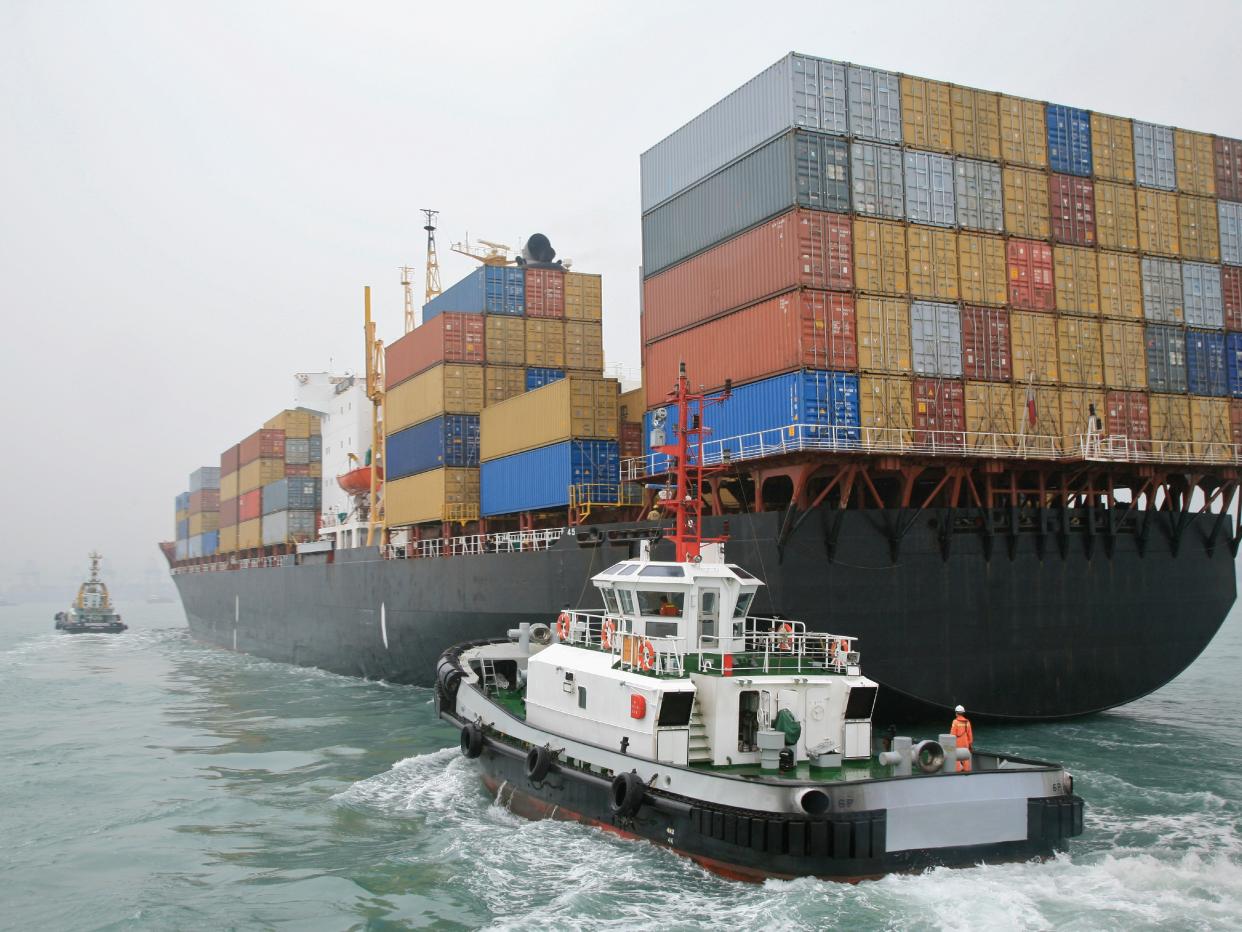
column 250, row 534
column 1026, row 203
column 204, row 521
column 1078, row 344
column 504, row 340
column 926, row 114
column 571, row 407
column 1034, row 338
column 976, row 123
column 1077, row 281
column 1196, row 162
column 260, row 472
column 501, row 382
column 989, row 416
column 1210, row 427
column 1158, row 225
column 884, row 407
column 1112, row 148
column 545, row 342
column 1024, row 132
column 297, row 423
column 1121, row 286
column 435, row 495
column 584, row 346
column 880, row 257
column 1171, row 430
column 316, row 470
column 228, row 539
column 1045, row 433
column 1116, row 216
column 883, row 334
column 981, row 262
column 449, row 388
column 583, row 296
column 1198, row 228
column 630, row 405
column 1076, row 404
column 228, row 486
column 1125, row 355
column 932, row 263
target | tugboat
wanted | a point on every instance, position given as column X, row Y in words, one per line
column 744, row 743
column 92, row 611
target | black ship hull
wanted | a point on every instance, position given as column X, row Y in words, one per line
column 1035, row 621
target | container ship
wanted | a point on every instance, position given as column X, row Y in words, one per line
column 984, row 357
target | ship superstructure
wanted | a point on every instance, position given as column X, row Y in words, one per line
column 92, row 611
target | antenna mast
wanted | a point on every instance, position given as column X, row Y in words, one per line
column 407, row 285
column 433, row 261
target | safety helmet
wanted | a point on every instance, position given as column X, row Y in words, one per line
column 958, row 709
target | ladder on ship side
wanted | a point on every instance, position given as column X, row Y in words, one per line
column 488, row 668
column 700, row 744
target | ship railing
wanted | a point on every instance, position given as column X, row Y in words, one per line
column 773, row 645
column 474, row 544
column 634, row 652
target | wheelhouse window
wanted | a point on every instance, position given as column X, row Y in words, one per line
column 610, row 601
column 664, row 604
column 743, row 604
column 626, row 599
column 627, row 570
column 615, row 569
column 665, row 571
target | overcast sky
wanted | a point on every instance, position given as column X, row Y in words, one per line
column 194, row 194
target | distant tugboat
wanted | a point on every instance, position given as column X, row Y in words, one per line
column 92, row 611
column 744, row 743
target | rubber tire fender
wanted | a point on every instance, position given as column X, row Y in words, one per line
column 538, row 763
column 626, row 794
column 471, row 740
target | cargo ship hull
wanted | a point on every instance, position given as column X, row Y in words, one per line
column 1023, row 625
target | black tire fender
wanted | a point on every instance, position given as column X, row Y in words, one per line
column 626, row 794
column 471, row 740
column 538, row 763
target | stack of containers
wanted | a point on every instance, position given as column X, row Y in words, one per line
column 290, row 504
column 204, row 512
column 181, row 527
column 985, row 263
column 261, row 461
column 230, row 462
column 630, row 407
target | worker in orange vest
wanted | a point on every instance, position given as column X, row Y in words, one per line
column 965, row 734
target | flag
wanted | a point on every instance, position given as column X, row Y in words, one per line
column 1030, row 405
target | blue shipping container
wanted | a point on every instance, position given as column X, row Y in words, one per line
column 1069, row 140
column 205, row 477
column 183, row 501
column 540, row 478
column 447, row 440
column 183, row 529
column 297, row 492
column 1205, row 363
column 538, row 377
column 493, row 289
column 1233, row 363
column 211, row 543
column 763, row 415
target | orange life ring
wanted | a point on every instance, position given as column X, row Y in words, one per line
column 785, row 641
column 646, row 656
column 606, row 633
column 563, row 622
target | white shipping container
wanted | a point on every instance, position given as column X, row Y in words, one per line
column 936, row 338
column 1155, row 165
column 1229, row 214
column 876, row 183
column 929, row 188
column 977, row 195
column 1162, row 290
column 874, row 104
column 1201, row 295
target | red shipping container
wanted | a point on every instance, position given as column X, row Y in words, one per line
column 228, row 512
column 250, row 505
column 1030, row 275
column 449, row 337
column 545, row 293
column 1228, row 168
column 1071, row 206
column 631, row 439
column 799, row 330
column 1127, row 415
column 1231, row 295
column 230, row 460
column 806, row 248
column 204, row 500
column 297, row 469
column 985, row 343
column 266, row 442
column 939, row 414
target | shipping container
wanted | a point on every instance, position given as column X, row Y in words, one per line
column 295, row 422
column 1023, row 137
column 631, row 405
column 203, row 522
column 1031, row 285
column 929, row 188
column 1231, row 296
column 989, row 416
column 1037, row 418
column 287, row 527
column 1127, row 415
column 1033, row 338
column 182, row 504
column 583, row 296
column 1171, row 427
column 877, row 180
column 874, row 104
column 1229, row 219
column 1197, row 228
column 883, row 334
column 977, row 195
column 1112, row 149
column 545, row 292
column 880, row 257
column 1159, row 227
column 932, row 263
column 985, row 343
column 570, row 408
column 545, row 343
column 541, row 478
column 1233, row 363
column 228, row 539
column 1077, row 281
column 806, row 248
column 1166, row 359
column 209, row 543
column 193, row 547
column 228, row 485
column 1205, row 363
column 181, row 549
column 1202, row 296
column 443, row 389
column 538, row 377
column 230, row 460
column 936, row 339
column 449, row 337
column 501, row 382
column 976, row 123
column 249, row 505
column 1154, row 162
column 1125, row 354
column 291, row 493
column 1071, row 208
column 228, row 512
column 204, row 500
column 1078, row 406
column 798, row 330
column 1235, row 421
column 630, row 439
column 1069, row 140
column 1195, row 166
column 183, row 529
column 939, row 408
column 250, row 534
column 1228, row 161
column 1162, row 290
column 1026, row 203
column 926, row 114
column 798, row 169
column 504, row 339
column 447, row 440
column 1210, row 430
column 297, row 451
column 492, row 289
column 885, row 410
column 584, row 346
column 258, row 473
column 982, row 274
column 1079, row 352
column 1116, row 216
column 205, row 477
column 265, row 442
column 438, row 495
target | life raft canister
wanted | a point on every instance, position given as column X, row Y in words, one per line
column 562, row 626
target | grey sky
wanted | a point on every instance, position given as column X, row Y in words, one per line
column 193, row 195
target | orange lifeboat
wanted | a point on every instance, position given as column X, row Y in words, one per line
column 357, row 481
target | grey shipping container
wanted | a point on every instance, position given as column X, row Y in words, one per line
column 285, row 525
column 798, row 90
column 1201, row 295
column 1162, row 290
column 1166, row 359
column 205, row 477
column 293, row 492
column 1229, row 213
column 876, row 180
column 1154, row 164
column 874, row 104
column 936, row 338
column 297, row 450
column 977, row 195
column 929, row 188
column 799, row 169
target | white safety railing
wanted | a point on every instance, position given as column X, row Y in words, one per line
column 472, row 544
column 613, row 633
column 781, row 644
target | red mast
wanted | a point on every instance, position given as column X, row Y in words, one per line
column 686, row 502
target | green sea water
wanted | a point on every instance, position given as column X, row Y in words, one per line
column 149, row 782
